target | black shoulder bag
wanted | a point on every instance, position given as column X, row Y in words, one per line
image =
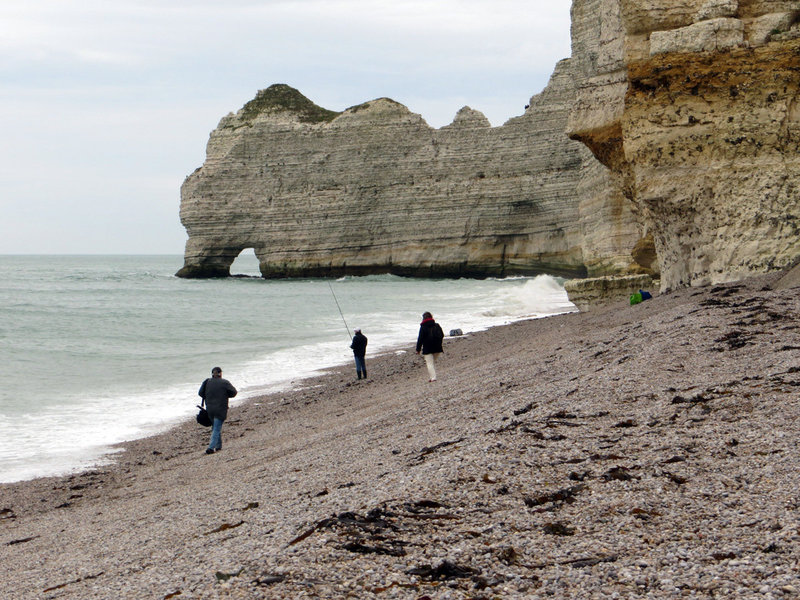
column 202, row 416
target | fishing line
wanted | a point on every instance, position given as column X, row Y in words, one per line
column 340, row 310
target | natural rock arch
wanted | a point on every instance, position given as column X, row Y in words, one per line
column 375, row 189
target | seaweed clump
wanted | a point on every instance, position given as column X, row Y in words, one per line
column 281, row 97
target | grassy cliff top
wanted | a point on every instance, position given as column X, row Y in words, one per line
column 281, row 97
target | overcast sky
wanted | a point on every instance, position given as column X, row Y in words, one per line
column 107, row 105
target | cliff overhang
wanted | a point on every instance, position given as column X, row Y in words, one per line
column 693, row 106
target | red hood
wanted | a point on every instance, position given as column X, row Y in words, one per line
column 427, row 321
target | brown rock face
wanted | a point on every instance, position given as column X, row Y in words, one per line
column 592, row 292
column 694, row 106
column 374, row 189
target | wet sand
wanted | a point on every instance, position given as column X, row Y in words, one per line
column 636, row 451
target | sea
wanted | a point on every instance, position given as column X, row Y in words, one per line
column 99, row 350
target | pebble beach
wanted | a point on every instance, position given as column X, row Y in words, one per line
column 646, row 451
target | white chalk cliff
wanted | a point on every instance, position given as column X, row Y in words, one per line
column 693, row 105
column 374, row 189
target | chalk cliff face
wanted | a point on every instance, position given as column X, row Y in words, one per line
column 693, row 105
column 374, row 189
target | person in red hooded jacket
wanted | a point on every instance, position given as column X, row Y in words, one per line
column 429, row 341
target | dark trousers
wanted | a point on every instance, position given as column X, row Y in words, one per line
column 361, row 366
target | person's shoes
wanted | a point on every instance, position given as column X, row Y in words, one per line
column 209, row 451
column 359, row 376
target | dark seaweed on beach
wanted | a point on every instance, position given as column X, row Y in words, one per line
column 444, row 570
column 618, row 474
column 565, row 495
column 224, row 527
column 558, row 529
column 21, row 541
column 431, row 449
column 357, row 546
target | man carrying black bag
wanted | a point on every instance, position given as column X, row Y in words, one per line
column 215, row 392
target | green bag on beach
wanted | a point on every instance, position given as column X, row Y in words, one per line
column 636, row 298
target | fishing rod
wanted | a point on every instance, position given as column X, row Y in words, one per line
column 340, row 310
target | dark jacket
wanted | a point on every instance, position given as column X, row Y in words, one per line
column 359, row 344
column 216, row 391
column 430, row 337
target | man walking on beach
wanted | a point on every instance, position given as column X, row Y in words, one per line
column 359, row 347
column 215, row 392
column 429, row 341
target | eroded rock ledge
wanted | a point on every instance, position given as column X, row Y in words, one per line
column 693, row 106
column 375, row 189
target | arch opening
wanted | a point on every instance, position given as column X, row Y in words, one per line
column 246, row 264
